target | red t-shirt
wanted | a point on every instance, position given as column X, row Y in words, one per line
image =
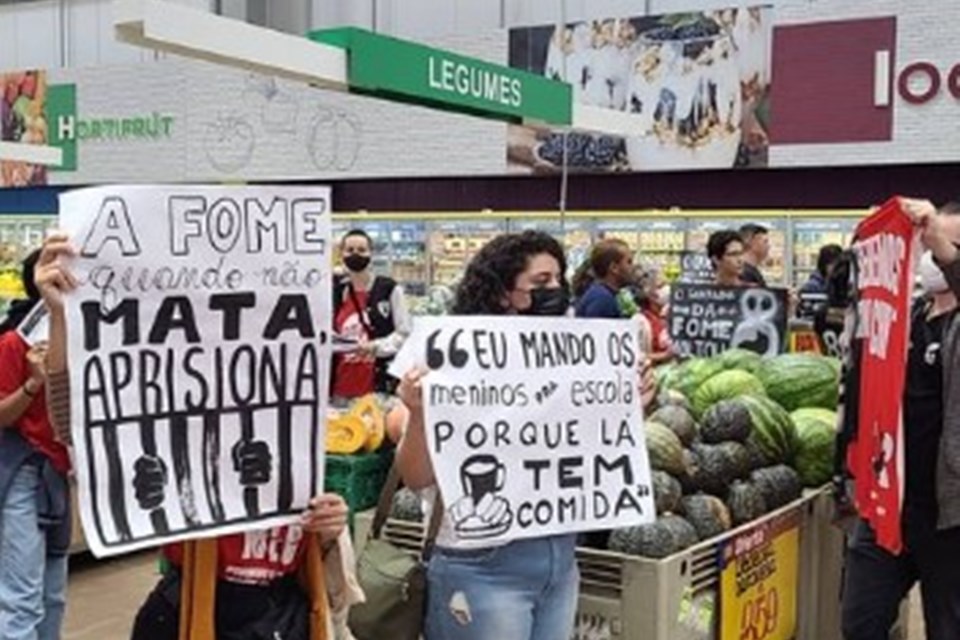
column 353, row 373
column 34, row 425
column 660, row 331
column 253, row 557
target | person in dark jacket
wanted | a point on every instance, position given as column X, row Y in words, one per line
column 369, row 311
column 826, row 258
column 756, row 251
column 611, row 269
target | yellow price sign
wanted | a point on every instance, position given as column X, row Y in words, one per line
column 758, row 582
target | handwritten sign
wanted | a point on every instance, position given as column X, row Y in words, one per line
column 199, row 350
column 534, row 425
column 695, row 267
column 759, row 580
column 706, row 319
column 885, row 253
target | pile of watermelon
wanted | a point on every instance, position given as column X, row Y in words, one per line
column 734, row 437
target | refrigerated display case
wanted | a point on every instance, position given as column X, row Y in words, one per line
column 775, row 271
column 809, row 235
column 452, row 243
column 399, row 249
column 575, row 234
column 662, row 243
column 409, row 265
column 19, row 235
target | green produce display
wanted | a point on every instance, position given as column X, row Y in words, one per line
column 816, row 444
column 798, row 380
column 725, row 386
column 774, row 434
column 733, row 438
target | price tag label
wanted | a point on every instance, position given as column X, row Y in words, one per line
column 758, row 582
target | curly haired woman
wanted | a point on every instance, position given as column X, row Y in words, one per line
column 526, row 589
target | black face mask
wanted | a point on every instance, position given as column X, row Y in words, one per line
column 356, row 262
column 548, row 302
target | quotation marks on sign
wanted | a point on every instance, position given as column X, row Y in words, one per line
column 452, row 353
column 546, row 392
column 481, row 513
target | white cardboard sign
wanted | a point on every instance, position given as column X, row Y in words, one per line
column 199, row 358
column 534, row 425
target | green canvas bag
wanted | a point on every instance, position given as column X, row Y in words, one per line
column 393, row 580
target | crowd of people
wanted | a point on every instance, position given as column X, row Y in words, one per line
column 219, row 588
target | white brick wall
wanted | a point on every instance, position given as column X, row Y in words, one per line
column 226, row 129
column 926, row 31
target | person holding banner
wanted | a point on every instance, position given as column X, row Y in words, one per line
column 525, row 589
column 294, row 581
column 876, row 579
column 372, row 311
column 34, row 494
column 725, row 250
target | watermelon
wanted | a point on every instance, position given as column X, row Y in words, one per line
column 816, row 444
column 798, row 380
column 740, row 359
column 774, row 435
column 724, row 386
column 693, row 373
column 666, row 375
column 664, row 448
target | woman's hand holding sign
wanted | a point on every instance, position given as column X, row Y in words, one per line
column 413, row 458
column 51, row 275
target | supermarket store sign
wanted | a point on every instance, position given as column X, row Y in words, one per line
column 67, row 128
column 395, row 69
column 858, row 68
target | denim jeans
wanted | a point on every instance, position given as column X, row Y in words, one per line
column 877, row 581
column 32, row 584
column 526, row 590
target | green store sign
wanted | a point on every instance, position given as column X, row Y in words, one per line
column 396, row 69
column 67, row 129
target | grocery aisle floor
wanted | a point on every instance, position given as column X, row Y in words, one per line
column 105, row 595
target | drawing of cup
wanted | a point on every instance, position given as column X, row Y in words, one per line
column 482, row 474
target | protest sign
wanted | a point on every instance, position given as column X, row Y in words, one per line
column 707, row 319
column 198, row 344
column 534, row 425
column 884, row 245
